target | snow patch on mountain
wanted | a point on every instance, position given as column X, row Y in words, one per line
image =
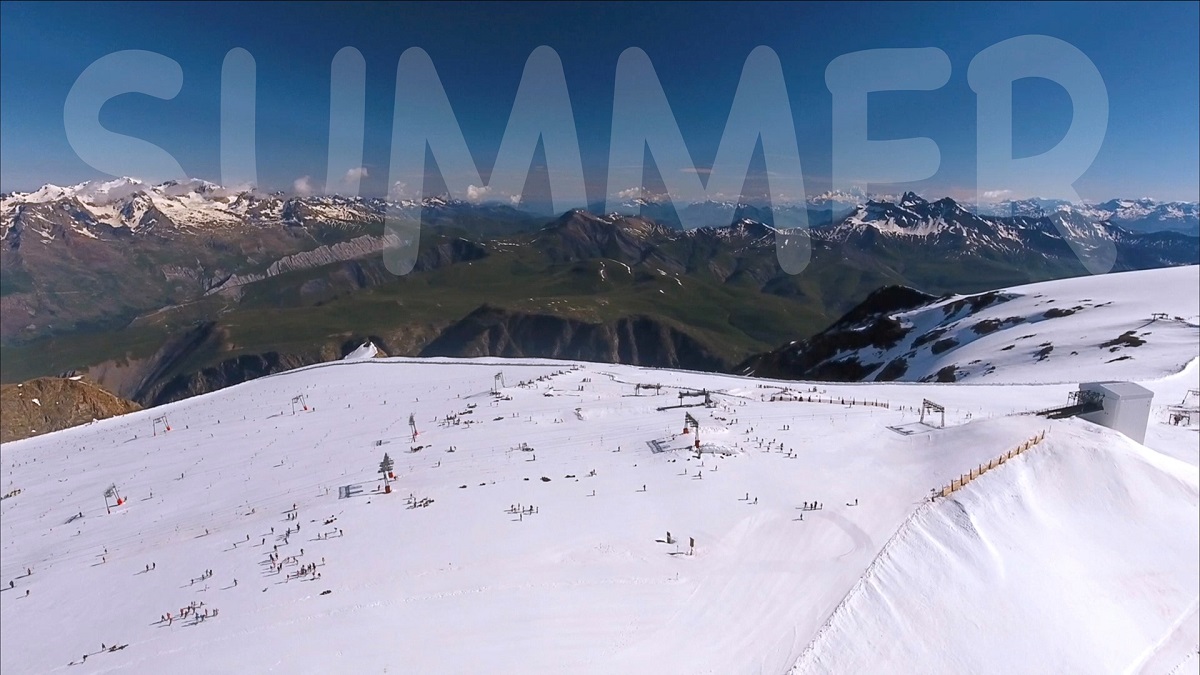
column 366, row 350
column 1115, row 326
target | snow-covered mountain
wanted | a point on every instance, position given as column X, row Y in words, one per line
column 1113, row 326
column 1137, row 215
column 1147, row 215
column 946, row 229
column 130, row 204
column 542, row 517
column 133, row 205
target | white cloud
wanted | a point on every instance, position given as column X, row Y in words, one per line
column 357, row 173
column 515, row 199
column 996, row 194
column 644, row 194
column 304, row 186
column 477, row 194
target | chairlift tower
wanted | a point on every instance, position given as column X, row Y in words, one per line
column 931, row 407
column 299, row 400
column 161, row 420
column 689, row 423
column 498, row 382
column 1187, row 410
column 708, row 402
column 111, row 492
column 412, row 425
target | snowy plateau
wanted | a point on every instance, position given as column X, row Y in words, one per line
column 526, row 526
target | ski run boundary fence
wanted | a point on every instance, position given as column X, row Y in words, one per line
column 978, row 471
column 800, row 398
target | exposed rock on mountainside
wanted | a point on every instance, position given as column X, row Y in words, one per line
column 224, row 374
column 870, row 324
column 579, row 235
column 322, row 255
column 50, row 403
column 489, row 331
column 172, row 373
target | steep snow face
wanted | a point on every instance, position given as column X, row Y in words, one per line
column 366, row 350
column 527, row 530
column 1131, row 325
column 1083, row 550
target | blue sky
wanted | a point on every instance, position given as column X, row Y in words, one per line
column 1147, row 55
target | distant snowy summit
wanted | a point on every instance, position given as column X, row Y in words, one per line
column 134, row 205
column 1138, row 215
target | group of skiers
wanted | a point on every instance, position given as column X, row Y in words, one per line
column 203, row 577
column 192, row 610
column 305, row 570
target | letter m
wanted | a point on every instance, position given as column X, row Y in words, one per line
column 761, row 111
column 423, row 119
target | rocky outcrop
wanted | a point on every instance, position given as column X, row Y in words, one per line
column 50, row 404
column 635, row 340
column 870, row 324
column 171, row 374
column 359, row 247
column 579, row 235
column 448, row 252
column 226, row 373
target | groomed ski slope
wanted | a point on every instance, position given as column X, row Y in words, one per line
column 586, row 583
column 1078, row 556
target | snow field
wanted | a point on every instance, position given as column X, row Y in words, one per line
column 587, row 583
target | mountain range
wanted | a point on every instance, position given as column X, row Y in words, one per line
column 1137, row 215
column 161, row 292
column 133, row 204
